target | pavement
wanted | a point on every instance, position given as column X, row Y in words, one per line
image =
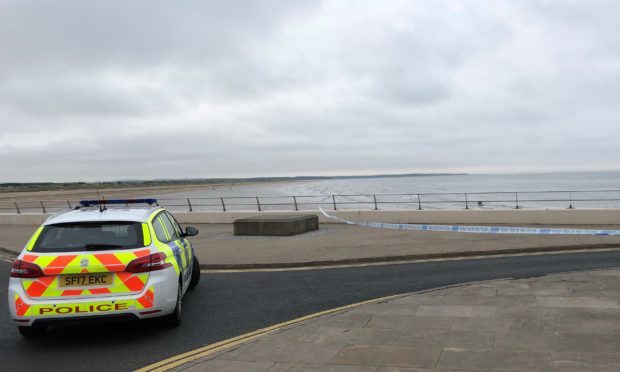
column 562, row 323
column 218, row 248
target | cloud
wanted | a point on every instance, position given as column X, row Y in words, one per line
column 155, row 89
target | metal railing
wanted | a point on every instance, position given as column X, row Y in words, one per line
column 418, row 201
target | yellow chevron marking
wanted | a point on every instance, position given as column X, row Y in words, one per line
column 34, row 238
column 146, row 234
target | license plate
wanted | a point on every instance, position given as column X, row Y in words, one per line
column 86, row 280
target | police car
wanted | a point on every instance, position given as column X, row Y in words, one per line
column 105, row 260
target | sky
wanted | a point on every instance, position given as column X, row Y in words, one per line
column 146, row 89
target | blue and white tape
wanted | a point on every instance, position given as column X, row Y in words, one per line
column 475, row 229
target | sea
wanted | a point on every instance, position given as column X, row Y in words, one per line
column 468, row 191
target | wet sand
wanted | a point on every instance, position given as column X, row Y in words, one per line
column 121, row 192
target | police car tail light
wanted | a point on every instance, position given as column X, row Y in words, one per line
column 153, row 262
column 23, row 269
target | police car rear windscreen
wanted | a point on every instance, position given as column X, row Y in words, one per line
column 89, row 236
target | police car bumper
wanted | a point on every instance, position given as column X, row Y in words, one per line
column 158, row 298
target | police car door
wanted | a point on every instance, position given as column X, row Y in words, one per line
column 183, row 244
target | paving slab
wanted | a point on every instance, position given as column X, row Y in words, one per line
column 368, row 336
column 386, row 309
column 586, row 361
column 298, row 367
column 448, row 338
column 587, row 325
column 525, row 341
column 580, row 302
column 401, row 369
column 229, row 366
column 294, row 334
column 409, row 322
column 555, row 332
column 496, row 360
column 389, row 355
column 456, row 311
column 291, row 352
column 346, row 319
column 482, row 324
column 588, row 342
column 591, row 314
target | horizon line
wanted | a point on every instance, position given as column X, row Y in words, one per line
column 303, row 177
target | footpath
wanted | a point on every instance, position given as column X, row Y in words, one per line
column 218, row 248
column 562, row 323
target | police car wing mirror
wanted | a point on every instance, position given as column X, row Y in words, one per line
column 191, row 231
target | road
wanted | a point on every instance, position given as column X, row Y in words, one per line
column 229, row 304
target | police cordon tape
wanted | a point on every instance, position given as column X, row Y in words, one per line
column 473, row 229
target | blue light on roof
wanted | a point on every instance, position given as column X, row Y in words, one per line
column 89, row 203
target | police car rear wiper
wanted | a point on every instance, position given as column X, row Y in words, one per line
column 94, row 247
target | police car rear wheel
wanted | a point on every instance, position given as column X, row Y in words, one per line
column 175, row 319
column 32, row 332
column 195, row 274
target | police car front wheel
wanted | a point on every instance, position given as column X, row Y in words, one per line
column 195, row 274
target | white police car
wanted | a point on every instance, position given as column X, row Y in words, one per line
column 105, row 260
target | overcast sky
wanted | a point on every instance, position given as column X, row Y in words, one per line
column 105, row 90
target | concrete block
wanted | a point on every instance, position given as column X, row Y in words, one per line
column 281, row 225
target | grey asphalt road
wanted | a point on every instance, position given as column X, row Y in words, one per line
column 229, row 304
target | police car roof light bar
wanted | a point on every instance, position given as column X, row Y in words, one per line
column 91, row 203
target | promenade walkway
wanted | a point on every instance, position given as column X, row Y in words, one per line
column 216, row 245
